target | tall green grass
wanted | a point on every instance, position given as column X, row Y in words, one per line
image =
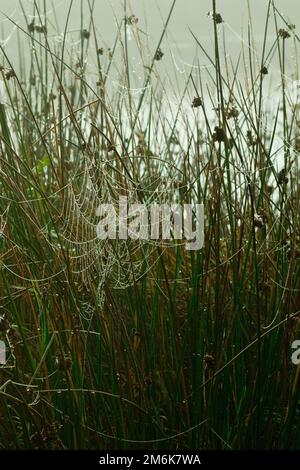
column 153, row 347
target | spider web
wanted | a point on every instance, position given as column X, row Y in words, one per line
column 121, row 263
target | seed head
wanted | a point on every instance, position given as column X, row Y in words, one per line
column 217, row 18
column 85, row 34
column 250, row 139
column 208, row 361
column 232, row 112
column 31, row 27
column 219, row 134
column 41, row 29
column 158, row 54
column 284, row 34
column 197, row 101
column 132, row 20
column 10, row 74
column 148, row 380
column 282, row 178
column 63, row 362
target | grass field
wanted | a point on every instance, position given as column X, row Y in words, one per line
column 115, row 345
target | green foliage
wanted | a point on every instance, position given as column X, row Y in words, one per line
column 192, row 349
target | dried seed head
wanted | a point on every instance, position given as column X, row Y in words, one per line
column 63, row 362
column 217, row 18
column 132, row 20
column 148, row 380
column 38, row 440
column 197, row 101
column 208, row 361
column 85, row 34
column 284, row 34
column 54, row 429
column 219, row 134
column 31, row 27
column 41, row 29
column 10, row 74
column 264, row 71
column 251, row 141
column 232, row 112
column 100, row 51
column 282, row 178
column 158, row 54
